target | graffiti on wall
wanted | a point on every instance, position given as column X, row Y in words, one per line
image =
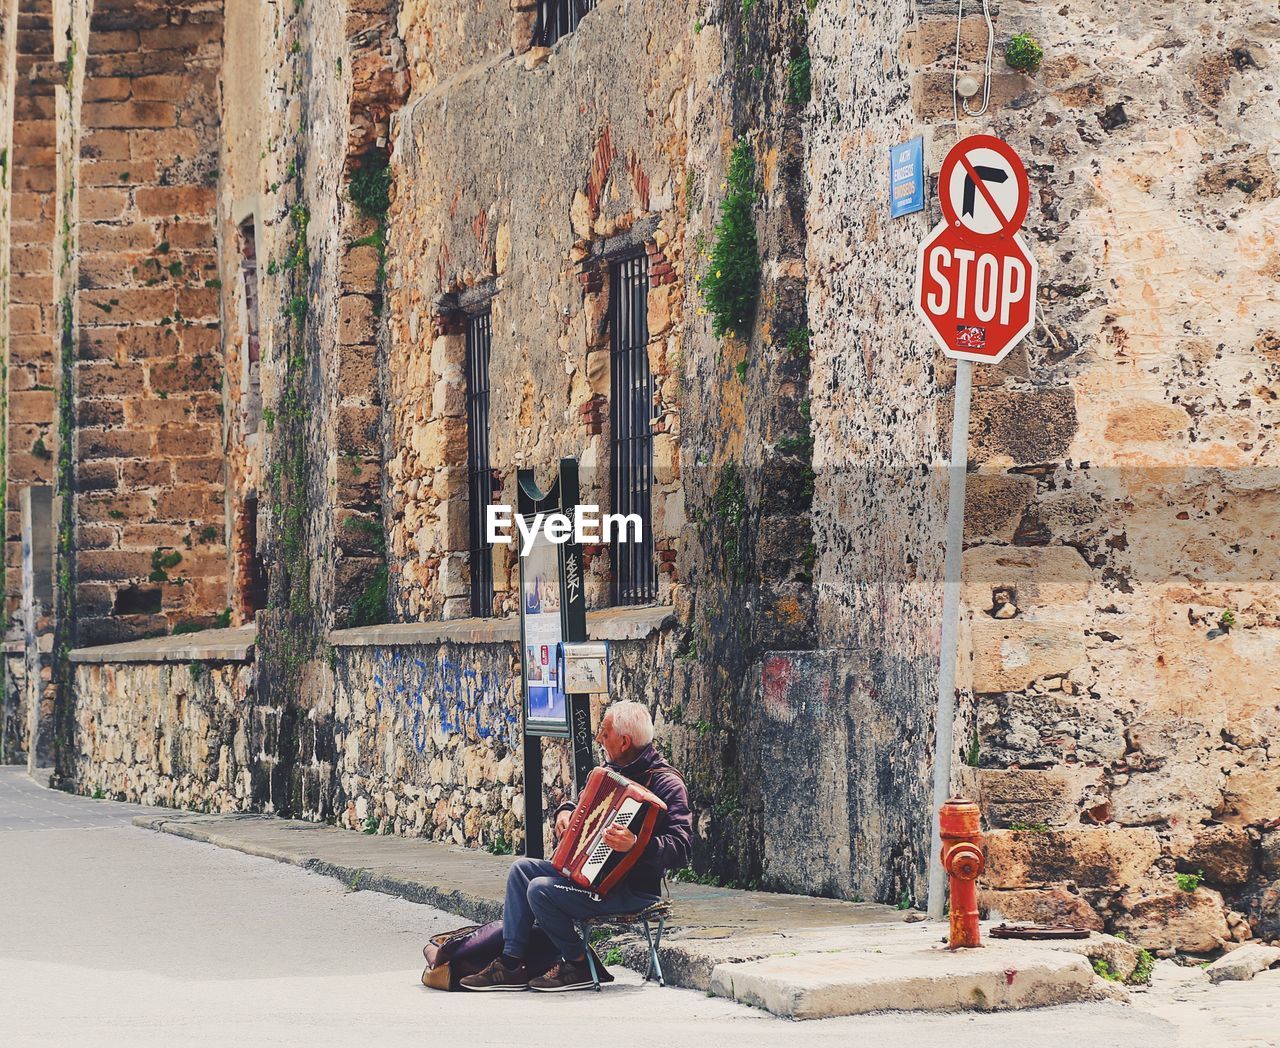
column 417, row 692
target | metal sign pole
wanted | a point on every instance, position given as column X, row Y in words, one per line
column 576, row 725
column 944, row 727
column 573, row 604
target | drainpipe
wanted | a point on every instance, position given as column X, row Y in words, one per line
column 944, row 726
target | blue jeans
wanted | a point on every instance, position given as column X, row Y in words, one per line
column 535, row 891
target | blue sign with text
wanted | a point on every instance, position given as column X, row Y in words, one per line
column 906, row 178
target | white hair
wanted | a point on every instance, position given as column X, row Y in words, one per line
column 632, row 718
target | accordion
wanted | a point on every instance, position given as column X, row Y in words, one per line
column 608, row 799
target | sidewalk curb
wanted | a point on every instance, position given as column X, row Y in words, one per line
column 354, row 878
column 799, row 957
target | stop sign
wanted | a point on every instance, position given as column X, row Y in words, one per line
column 977, row 299
column 975, row 277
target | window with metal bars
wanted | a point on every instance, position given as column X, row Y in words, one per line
column 250, row 366
column 557, row 18
column 631, row 427
column 479, row 473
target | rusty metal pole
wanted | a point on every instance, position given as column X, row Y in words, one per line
column 960, row 828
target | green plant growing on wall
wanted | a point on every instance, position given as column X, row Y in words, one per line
column 1141, row 974
column 370, row 824
column 500, row 845
column 798, row 342
column 973, row 753
column 370, row 191
column 222, row 620
column 370, row 607
column 1227, row 619
column 1189, row 882
column 1024, row 53
column 731, row 284
column 799, row 82
column 730, row 504
column 162, row 563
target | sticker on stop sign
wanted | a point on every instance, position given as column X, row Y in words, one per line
column 975, row 277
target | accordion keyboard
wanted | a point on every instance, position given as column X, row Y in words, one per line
column 601, row 852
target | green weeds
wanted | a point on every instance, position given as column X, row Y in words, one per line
column 732, row 281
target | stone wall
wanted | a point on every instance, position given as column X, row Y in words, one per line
column 530, row 217
column 1117, row 718
column 427, row 726
column 1123, row 498
column 165, row 733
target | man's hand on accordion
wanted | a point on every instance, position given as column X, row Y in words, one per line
column 619, row 839
column 562, row 822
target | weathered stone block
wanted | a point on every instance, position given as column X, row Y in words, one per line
column 1139, row 423
column 356, row 320
column 358, row 430
column 1022, row 427
column 1178, row 794
column 358, row 270
column 170, row 201
column 933, row 92
column 1008, row 654
column 1051, row 797
column 97, row 476
column 188, row 503
column 1053, row 906
column 1244, row 963
column 146, row 474
column 1173, row 918
column 104, row 145
column 1253, row 791
column 112, row 564
column 1090, row 858
column 108, row 380
column 163, row 145
column 187, row 441
column 129, row 114
column 99, row 444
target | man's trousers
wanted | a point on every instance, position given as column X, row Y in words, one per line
column 535, row 891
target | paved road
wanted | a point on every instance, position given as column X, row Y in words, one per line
column 113, row 935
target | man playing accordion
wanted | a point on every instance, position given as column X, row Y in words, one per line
column 537, row 892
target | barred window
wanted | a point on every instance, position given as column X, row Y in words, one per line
column 479, row 473
column 631, row 411
column 250, row 366
column 557, row 18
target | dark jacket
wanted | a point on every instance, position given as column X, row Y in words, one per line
column 669, row 847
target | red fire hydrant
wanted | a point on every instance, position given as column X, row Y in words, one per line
column 959, row 822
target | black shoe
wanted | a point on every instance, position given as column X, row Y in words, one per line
column 567, row 975
column 497, row 977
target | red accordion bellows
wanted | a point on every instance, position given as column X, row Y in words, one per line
column 608, row 799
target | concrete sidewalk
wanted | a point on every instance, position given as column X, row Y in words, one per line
column 793, row 955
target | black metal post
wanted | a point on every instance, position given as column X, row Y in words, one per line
column 563, row 497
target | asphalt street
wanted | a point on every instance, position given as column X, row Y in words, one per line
column 114, row 935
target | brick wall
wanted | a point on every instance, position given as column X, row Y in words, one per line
column 31, row 440
column 148, row 471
